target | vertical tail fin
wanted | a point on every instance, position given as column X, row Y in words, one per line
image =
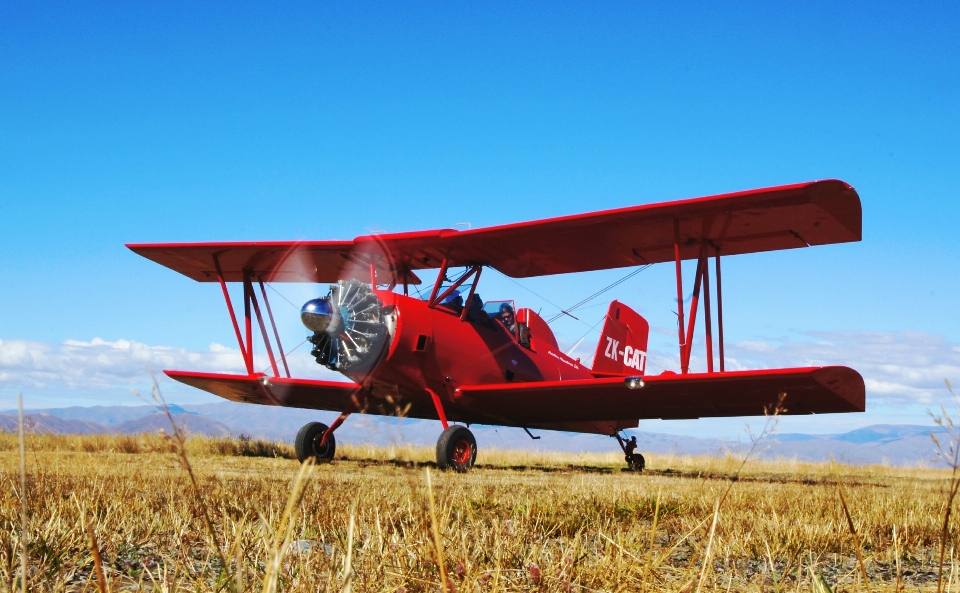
column 622, row 349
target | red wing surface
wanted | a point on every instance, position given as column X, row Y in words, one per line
column 817, row 390
column 786, row 217
column 272, row 391
column 335, row 396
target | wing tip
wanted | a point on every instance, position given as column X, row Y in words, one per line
column 846, row 383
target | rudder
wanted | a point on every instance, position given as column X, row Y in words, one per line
column 622, row 349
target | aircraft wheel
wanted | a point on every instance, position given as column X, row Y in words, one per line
column 638, row 462
column 456, row 449
column 308, row 443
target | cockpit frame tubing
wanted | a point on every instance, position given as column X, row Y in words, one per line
column 440, row 277
column 273, row 324
column 459, row 282
column 233, row 316
column 473, row 289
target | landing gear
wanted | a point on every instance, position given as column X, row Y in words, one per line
column 308, row 443
column 456, row 449
column 635, row 461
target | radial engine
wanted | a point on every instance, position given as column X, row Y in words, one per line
column 351, row 328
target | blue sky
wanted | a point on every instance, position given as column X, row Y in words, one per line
column 236, row 121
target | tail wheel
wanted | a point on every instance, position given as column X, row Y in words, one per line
column 456, row 449
column 308, row 443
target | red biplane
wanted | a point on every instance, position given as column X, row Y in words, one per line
column 454, row 358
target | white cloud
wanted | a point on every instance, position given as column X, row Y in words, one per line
column 99, row 364
column 898, row 368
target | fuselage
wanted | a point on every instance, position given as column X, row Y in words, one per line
column 432, row 349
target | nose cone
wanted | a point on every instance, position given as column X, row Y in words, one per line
column 317, row 314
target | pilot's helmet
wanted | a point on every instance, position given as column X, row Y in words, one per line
column 506, row 307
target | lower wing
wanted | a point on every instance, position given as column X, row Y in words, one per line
column 816, row 390
column 272, row 391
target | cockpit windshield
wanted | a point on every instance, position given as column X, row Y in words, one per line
column 503, row 311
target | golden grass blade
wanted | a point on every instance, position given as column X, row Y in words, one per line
column 97, row 560
column 817, row 582
column 951, row 455
column 853, row 529
column 179, row 441
column 708, row 558
column 896, row 551
column 438, row 543
column 653, row 540
column 23, row 500
column 348, row 558
column 283, row 535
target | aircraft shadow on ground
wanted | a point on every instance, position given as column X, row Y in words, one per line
column 600, row 469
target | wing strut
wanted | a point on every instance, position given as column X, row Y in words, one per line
column 273, row 324
column 676, row 255
column 233, row 316
column 250, row 302
column 701, row 279
column 719, row 310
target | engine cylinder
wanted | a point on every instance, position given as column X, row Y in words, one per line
column 349, row 330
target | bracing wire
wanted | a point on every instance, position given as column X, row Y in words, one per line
column 595, row 295
column 270, row 286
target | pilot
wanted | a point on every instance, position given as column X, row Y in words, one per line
column 454, row 302
column 507, row 318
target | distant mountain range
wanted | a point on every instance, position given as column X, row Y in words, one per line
column 881, row 443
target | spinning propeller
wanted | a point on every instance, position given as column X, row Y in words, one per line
column 351, row 326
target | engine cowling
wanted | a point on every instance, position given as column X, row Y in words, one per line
column 350, row 331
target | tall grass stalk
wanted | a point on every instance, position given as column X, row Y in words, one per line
column 707, row 559
column 23, row 499
column 653, row 539
column 283, row 535
column 438, row 542
column 348, row 557
column 178, row 441
column 951, row 456
column 851, row 526
column 97, row 560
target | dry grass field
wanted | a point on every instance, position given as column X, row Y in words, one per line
column 123, row 513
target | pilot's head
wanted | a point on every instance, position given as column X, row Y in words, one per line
column 506, row 312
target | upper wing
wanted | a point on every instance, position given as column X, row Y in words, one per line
column 817, row 390
column 815, row 213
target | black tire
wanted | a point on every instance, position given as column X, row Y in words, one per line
column 456, row 449
column 638, row 463
column 308, row 443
